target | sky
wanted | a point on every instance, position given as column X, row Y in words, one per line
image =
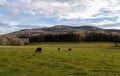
column 27, row 14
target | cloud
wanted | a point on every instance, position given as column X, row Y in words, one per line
column 4, row 24
column 104, row 22
column 63, row 9
column 111, row 26
column 73, row 12
column 55, row 8
column 6, row 28
column 3, row 2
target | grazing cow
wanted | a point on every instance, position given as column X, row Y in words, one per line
column 58, row 48
column 69, row 49
column 38, row 50
column 116, row 44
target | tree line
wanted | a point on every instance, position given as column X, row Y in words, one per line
column 67, row 37
column 102, row 37
column 55, row 38
column 88, row 37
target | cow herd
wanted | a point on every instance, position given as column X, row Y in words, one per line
column 39, row 50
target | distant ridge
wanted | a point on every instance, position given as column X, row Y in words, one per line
column 60, row 29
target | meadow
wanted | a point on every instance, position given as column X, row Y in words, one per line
column 85, row 59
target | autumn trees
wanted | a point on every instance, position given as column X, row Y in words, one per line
column 13, row 40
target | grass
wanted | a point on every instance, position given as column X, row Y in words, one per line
column 85, row 59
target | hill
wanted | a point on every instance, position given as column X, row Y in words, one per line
column 61, row 29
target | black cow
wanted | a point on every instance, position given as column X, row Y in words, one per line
column 58, row 48
column 38, row 50
column 69, row 49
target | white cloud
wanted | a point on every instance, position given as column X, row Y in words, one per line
column 3, row 2
column 62, row 9
column 111, row 26
column 104, row 22
column 4, row 30
column 13, row 11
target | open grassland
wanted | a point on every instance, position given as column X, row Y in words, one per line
column 85, row 59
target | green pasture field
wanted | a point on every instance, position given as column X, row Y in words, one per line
column 85, row 59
